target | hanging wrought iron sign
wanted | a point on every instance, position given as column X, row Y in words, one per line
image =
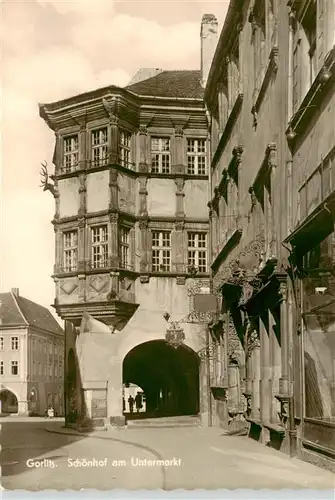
column 175, row 335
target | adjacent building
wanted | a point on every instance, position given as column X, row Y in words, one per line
column 270, row 95
column 131, row 231
column 31, row 357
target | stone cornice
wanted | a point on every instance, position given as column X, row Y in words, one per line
column 131, row 217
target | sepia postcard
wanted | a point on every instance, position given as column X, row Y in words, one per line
column 167, row 302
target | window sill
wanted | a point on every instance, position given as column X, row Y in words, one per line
column 227, row 130
column 270, row 70
column 310, row 105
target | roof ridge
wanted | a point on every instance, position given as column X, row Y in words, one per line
column 18, row 307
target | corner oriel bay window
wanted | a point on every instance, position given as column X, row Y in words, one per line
column 70, row 155
column 196, row 156
column 124, row 240
column 161, row 251
column 99, row 147
column 160, row 155
column 99, row 246
column 70, row 245
column 125, row 149
column 197, row 251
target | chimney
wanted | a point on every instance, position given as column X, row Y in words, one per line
column 209, row 38
column 16, row 292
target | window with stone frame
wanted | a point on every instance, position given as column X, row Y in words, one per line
column 196, row 157
column 318, row 283
column 70, row 250
column 125, row 149
column 197, row 252
column 70, row 153
column 99, row 248
column 308, row 23
column 161, row 251
column 258, row 19
column 160, row 155
column 124, row 247
column 14, row 367
column 304, row 52
column 2, row 368
column 1, row 343
column 99, row 147
column 14, row 343
column 234, row 73
column 318, row 186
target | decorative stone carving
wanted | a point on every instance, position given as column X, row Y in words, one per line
column 68, row 286
column 271, row 155
column 143, row 130
column 144, row 278
column 180, row 183
column 114, row 217
column 283, row 290
column 180, row 280
column 143, row 224
column 234, row 344
column 178, row 131
column 179, row 225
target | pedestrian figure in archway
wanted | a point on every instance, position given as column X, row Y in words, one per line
column 138, row 402
column 124, row 404
column 131, row 404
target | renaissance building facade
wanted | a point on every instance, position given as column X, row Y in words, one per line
column 131, row 234
column 270, row 95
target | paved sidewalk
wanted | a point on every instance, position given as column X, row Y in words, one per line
column 211, row 460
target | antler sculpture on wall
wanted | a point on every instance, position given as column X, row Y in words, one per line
column 45, row 184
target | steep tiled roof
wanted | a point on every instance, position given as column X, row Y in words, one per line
column 171, row 84
column 9, row 312
column 17, row 310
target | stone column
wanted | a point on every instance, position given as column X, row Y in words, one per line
column 230, row 82
column 143, row 227
column 58, row 250
column 113, row 189
column 178, row 248
column 113, row 139
column 113, row 246
column 57, row 159
column 223, row 107
column 256, row 377
column 275, row 366
column 270, row 198
column 114, row 284
column 143, row 193
column 265, row 369
column 143, row 165
column 284, row 330
column 178, row 163
column 180, row 183
column 82, row 244
column 82, row 146
column 82, row 195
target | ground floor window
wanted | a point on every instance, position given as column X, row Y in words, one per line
column 319, row 331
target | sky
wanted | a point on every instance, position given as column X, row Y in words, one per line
column 52, row 49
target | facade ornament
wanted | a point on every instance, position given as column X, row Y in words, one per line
column 252, row 197
column 143, row 130
column 175, row 335
column 254, row 116
column 234, row 344
column 253, row 340
column 178, row 131
column 45, row 184
column 110, row 108
column 81, row 222
column 271, row 155
column 179, row 225
column 180, row 183
column 283, row 290
column 113, row 217
column 143, row 224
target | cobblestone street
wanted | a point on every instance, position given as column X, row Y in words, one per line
column 199, row 458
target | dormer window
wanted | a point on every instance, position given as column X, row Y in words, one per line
column 70, row 160
column 160, row 155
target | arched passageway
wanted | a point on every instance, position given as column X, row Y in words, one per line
column 169, row 377
column 9, row 403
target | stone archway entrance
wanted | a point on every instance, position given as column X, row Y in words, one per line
column 169, row 377
column 9, row 403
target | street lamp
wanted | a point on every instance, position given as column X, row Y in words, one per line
column 290, row 133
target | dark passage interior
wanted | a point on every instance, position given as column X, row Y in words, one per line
column 169, row 378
